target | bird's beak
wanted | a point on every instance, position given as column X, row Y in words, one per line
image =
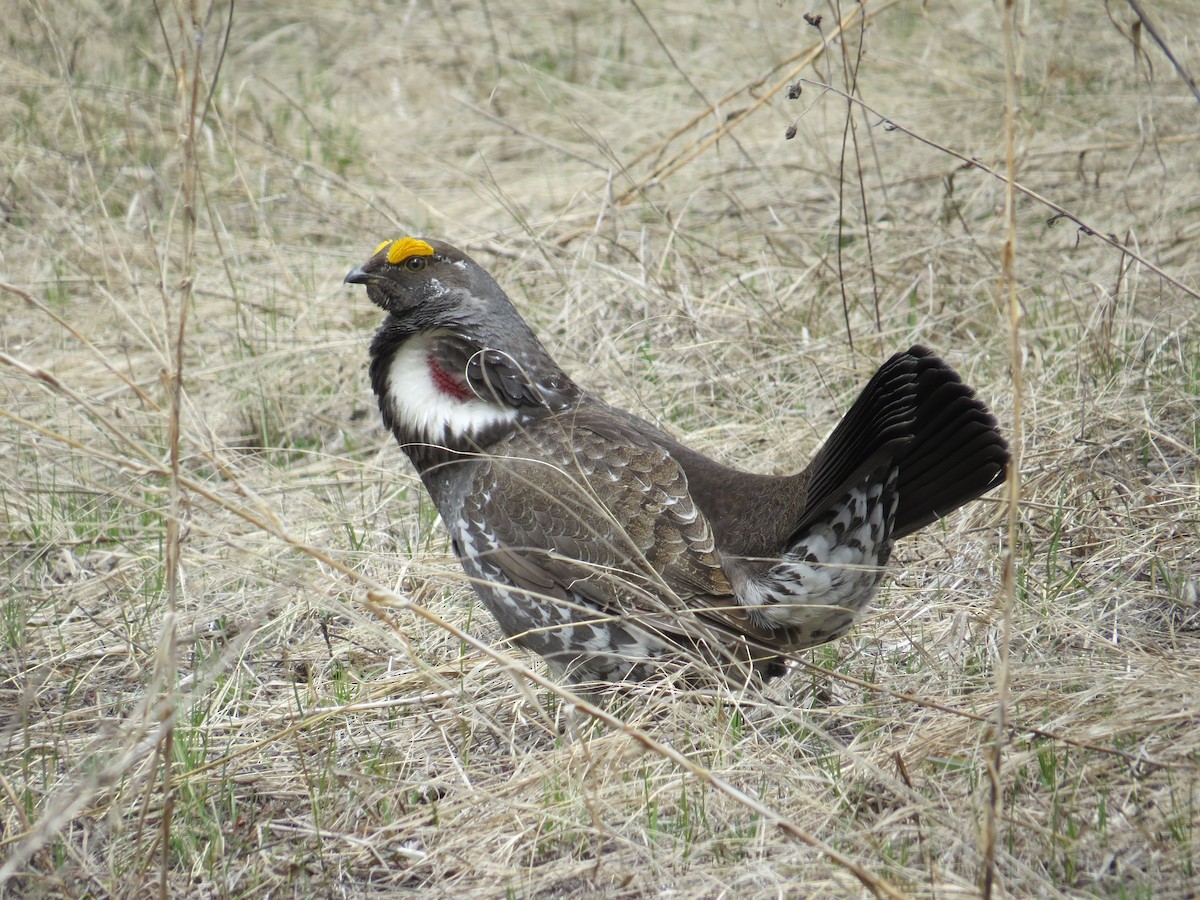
column 357, row 276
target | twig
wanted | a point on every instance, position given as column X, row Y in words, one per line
column 1059, row 211
column 101, row 357
column 869, row 880
column 1008, row 290
column 1180, row 68
column 687, row 154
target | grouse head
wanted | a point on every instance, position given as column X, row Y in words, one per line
column 430, row 284
column 453, row 364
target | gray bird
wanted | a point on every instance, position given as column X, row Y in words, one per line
column 606, row 546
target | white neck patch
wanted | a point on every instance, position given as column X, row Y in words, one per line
column 425, row 413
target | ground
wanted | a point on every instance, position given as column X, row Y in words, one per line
column 237, row 657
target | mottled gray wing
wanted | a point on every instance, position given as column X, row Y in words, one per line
column 582, row 510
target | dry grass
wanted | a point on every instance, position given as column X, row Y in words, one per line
column 713, row 285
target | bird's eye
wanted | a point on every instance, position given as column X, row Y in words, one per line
column 414, row 263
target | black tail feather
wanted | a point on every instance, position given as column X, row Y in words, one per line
column 917, row 414
column 956, row 453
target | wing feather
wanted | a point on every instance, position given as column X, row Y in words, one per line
column 582, row 512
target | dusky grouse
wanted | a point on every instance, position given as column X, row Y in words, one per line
column 605, row 545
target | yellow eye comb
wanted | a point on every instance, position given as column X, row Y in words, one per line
column 403, row 248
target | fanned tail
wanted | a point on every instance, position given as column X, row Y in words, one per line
column 916, row 444
column 917, row 414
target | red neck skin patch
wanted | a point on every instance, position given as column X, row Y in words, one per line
column 446, row 383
